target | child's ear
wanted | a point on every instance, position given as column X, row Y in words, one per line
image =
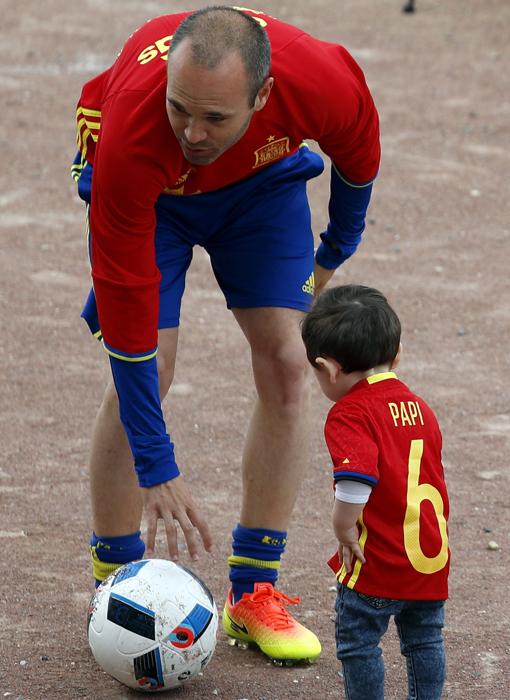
column 331, row 367
column 398, row 356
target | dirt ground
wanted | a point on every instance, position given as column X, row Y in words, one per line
column 437, row 243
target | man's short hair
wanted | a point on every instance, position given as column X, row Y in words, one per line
column 354, row 325
column 217, row 31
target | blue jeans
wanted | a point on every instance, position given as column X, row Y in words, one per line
column 362, row 620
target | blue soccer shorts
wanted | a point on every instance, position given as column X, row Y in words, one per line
column 257, row 234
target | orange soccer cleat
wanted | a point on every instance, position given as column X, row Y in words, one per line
column 261, row 618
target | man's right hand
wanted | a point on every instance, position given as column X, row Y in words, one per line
column 172, row 503
column 321, row 278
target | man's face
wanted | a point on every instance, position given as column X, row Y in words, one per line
column 209, row 110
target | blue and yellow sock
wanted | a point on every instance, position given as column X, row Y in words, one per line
column 108, row 553
column 256, row 554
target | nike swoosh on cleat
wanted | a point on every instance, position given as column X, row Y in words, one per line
column 236, row 627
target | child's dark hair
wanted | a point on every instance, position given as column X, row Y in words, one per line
column 353, row 325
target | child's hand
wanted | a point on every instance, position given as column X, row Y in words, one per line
column 349, row 548
column 345, row 516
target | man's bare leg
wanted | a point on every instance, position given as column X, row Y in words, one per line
column 275, row 454
column 115, row 494
column 274, row 460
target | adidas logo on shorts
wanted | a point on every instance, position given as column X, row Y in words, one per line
column 309, row 285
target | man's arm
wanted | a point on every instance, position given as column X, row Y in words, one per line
column 347, row 211
column 165, row 494
column 140, row 412
column 350, row 137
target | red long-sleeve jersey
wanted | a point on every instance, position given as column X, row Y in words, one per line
column 319, row 93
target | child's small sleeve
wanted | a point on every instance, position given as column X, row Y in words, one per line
column 353, row 451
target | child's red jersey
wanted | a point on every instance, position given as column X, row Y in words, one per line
column 382, row 434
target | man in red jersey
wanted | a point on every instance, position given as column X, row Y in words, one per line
column 391, row 505
column 195, row 137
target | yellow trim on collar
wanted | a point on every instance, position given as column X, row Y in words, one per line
column 380, row 377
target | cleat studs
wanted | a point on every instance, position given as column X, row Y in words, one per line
column 234, row 642
column 289, row 663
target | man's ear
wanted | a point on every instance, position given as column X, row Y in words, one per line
column 396, row 361
column 263, row 94
column 329, row 366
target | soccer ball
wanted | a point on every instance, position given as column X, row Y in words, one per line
column 152, row 625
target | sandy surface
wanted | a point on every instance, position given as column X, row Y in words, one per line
column 437, row 243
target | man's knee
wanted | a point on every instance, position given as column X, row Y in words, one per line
column 110, row 402
column 167, row 350
column 289, row 361
column 165, row 373
column 281, row 372
column 166, row 367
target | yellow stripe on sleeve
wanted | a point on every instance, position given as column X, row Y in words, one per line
column 118, row 356
column 89, row 112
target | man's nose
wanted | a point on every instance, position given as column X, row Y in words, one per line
column 194, row 133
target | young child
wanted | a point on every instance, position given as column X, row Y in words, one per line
column 391, row 504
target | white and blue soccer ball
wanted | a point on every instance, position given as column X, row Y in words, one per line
column 152, row 625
